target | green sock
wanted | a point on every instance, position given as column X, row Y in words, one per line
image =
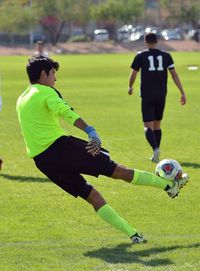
column 108, row 214
column 146, row 178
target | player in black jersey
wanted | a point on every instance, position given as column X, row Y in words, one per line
column 154, row 65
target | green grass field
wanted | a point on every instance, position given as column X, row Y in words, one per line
column 42, row 228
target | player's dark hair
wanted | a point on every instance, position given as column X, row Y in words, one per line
column 151, row 38
column 38, row 64
column 40, row 42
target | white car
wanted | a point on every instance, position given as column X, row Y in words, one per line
column 101, row 35
column 171, row 34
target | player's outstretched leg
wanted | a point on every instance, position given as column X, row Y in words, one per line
column 108, row 214
column 138, row 177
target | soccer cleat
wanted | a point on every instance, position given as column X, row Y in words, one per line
column 155, row 157
column 178, row 185
column 173, row 191
column 138, row 238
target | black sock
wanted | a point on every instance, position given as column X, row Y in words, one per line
column 151, row 138
column 158, row 136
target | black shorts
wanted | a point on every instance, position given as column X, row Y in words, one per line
column 152, row 109
column 67, row 158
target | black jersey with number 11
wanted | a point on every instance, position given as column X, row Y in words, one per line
column 154, row 64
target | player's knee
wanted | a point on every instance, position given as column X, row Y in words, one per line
column 95, row 199
column 147, row 130
column 122, row 173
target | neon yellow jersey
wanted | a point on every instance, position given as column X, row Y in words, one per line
column 39, row 109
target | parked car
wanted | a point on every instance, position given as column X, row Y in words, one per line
column 124, row 32
column 153, row 29
column 194, row 34
column 137, row 33
column 171, row 34
column 101, row 35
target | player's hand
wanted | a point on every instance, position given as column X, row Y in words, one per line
column 130, row 91
column 94, row 145
column 183, row 99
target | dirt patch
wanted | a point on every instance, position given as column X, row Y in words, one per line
column 108, row 47
column 101, row 47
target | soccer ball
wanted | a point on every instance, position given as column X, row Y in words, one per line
column 169, row 169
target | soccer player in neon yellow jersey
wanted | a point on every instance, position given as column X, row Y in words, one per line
column 63, row 158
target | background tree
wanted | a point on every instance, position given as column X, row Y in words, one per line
column 107, row 15
column 81, row 13
column 20, row 16
column 56, row 15
column 181, row 11
column 17, row 17
column 111, row 13
column 53, row 17
column 132, row 11
column 190, row 13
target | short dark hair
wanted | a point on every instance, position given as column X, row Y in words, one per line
column 40, row 42
column 151, row 38
column 37, row 64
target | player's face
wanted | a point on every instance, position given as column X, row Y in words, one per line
column 40, row 48
column 50, row 78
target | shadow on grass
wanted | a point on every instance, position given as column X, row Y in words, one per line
column 24, row 178
column 188, row 164
column 119, row 254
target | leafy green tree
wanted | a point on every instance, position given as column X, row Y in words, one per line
column 55, row 15
column 51, row 17
column 182, row 11
column 16, row 17
column 190, row 13
column 81, row 13
column 132, row 11
column 107, row 15
column 111, row 13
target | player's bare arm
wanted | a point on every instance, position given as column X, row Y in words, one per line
column 131, row 81
column 81, row 124
column 177, row 81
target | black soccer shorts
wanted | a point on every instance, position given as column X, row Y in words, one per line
column 66, row 159
column 152, row 109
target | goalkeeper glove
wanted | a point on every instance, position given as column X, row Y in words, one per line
column 94, row 145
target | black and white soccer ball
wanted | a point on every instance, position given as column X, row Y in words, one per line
column 169, row 169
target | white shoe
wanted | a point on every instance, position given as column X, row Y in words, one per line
column 155, row 157
column 178, row 185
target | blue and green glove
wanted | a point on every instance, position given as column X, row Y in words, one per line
column 94, row 145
